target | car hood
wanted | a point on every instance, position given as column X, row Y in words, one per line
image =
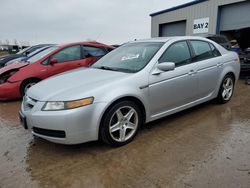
column 74, row 84
column 12, row 67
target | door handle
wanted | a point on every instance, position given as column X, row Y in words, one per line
column 192, row 72
column 219, row 64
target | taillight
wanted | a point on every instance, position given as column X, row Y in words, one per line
column 237, row 59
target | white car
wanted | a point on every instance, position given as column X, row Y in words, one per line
column 134, row 84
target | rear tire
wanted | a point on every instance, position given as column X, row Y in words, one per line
column 226, row 89
column 27, row 84
column 120, row 123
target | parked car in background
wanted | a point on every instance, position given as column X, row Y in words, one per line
column 139, row 82
column 245, row 63
column 23, row 53
column 16, row 79
column 221, row 40
column 235, row 47
column 30, row 55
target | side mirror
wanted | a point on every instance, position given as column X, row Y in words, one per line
column 53, row 61
column 166, row 66
column 163, row 67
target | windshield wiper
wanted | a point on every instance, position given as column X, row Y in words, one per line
column 115, row 69
column 107, row 68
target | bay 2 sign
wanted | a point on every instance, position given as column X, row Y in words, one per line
column 201, row 25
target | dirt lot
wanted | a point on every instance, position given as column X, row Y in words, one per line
column 207, row 146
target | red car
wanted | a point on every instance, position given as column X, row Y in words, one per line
column 16, row 78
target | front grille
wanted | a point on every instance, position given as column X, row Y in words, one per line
column 50, row 133
column 28, row 103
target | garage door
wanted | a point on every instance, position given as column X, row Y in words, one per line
column 235, row 16
column 173, row 29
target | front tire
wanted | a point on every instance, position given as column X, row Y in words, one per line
column 121, row 123
column 226, row 89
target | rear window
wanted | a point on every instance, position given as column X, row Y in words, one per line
column 218, row 39
column 91, row 51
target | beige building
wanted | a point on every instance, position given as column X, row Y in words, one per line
column 203, row 17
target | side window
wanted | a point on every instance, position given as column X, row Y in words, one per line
column 202, row 50
column 177, row 53
column 68, row 54
column 91, row 51
column 215, row 52
column 45, row 62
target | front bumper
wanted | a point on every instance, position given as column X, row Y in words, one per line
column 10, row 91
column 73, row 126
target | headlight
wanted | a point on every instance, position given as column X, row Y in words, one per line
column 5, row 76
column 66, row 105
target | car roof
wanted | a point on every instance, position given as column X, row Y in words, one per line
column 166, row 39
column 91, row 43
column 211, row 35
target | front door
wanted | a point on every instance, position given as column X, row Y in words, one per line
column 172, row 89
column 67, row 59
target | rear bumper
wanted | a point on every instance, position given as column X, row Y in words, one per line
column 10, row 91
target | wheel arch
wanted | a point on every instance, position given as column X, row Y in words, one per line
column 25, row 80
column 231, row 74
column 229, row 70
column 134, row 99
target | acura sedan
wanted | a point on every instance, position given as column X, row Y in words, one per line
column 137, row 83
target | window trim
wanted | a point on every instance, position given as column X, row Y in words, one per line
column 189, row 49
column 210, row 44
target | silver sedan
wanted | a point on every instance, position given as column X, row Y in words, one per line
column 134, row 84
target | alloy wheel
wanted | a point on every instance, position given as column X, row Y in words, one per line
column 123, row 124
column 228, row 86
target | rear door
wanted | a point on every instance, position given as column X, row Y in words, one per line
column 209, row 64
column 172, row 89
column 93, row 54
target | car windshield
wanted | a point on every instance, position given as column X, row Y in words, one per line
column 42, row 54
column 37, row 51
column 130, row 57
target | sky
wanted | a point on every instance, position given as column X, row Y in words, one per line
column 62, row 21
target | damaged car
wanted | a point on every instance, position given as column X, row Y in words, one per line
column 17, row 78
